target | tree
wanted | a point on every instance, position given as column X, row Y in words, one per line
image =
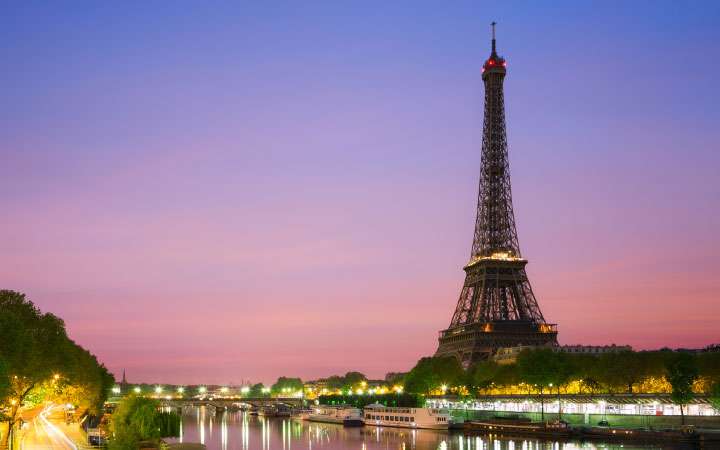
column 31, row 345
column 482, row 375
column 353, row 379
column 682, row 371
column 138, row 419
column 545, row 369
column 715, row 395
column 286, row 385
column 39, row 361
column 257, row 390
column 432, row 373
column 335, row 382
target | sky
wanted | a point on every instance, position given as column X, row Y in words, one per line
column 213, row 192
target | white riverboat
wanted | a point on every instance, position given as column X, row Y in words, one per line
column 345, row 415
column 383, row 416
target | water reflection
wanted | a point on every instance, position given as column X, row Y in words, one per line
column 240, row 431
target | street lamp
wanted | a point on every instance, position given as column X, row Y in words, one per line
column 158, row 389
column 116, row 390
column 137, row 389
column 202, row 389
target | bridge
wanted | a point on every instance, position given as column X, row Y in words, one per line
column 225, row 403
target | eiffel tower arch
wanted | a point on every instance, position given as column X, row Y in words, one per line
column 497, row 307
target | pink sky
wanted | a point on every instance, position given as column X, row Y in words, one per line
column 215, row 196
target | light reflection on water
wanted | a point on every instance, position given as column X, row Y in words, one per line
column 240, row 431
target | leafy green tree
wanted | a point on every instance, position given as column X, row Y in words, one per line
column 682, row 371
column 139, row 419
column 31, row 345
column 353, row 379
column 709, row 365
column 285, row 385
column 622, row 370
column 433, row 372
column 335, row 382
column 257, row 390
column 4, row 381
column 39, row 361
column 482, row 375
column 544, row 369
column 715, row 395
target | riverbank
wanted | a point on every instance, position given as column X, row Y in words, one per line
column 560, row 430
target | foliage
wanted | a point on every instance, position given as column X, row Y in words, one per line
column 256, row 390
column 715, row 395
column 4, row 381
column 353, row 380
column 359, row 401
column 396, row 378
column 40, row 361
column 139, row 419
column 682, row 371
column 350, row 380
column 430, row 373
column 287, row 383
column 544, row 368
column 482, row 376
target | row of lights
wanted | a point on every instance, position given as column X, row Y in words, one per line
column 181, row 390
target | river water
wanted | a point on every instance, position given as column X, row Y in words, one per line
column 241, row 431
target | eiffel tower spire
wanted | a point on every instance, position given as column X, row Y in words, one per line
column 497, row 307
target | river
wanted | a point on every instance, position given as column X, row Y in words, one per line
column 241, row 431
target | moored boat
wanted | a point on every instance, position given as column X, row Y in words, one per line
column 431, row 418
column 275, row 410
column 348, row 416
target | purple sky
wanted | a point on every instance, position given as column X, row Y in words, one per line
column 218, row 193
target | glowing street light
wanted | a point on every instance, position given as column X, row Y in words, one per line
column 181, row 390
column 137, row 389
column 158, row 389
column 224, row 390
column 265, row 390
column 202, row 389
column 245, row 389
column 116, row 390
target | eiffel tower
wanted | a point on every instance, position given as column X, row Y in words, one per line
column 497, row 307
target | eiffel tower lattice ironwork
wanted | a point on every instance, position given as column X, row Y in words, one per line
column 497, row 307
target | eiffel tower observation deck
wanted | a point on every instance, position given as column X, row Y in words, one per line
column 497, row 307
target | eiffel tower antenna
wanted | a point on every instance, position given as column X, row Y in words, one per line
column 493, row 37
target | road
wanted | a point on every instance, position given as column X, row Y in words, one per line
column 43, row 434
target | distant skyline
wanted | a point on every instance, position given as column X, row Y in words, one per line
column 216, row 193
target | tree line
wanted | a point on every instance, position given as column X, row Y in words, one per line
column 38, row 362
column 542, row 371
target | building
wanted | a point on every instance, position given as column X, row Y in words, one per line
column 594, row 349
column 508, row 355
column 497, row 307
